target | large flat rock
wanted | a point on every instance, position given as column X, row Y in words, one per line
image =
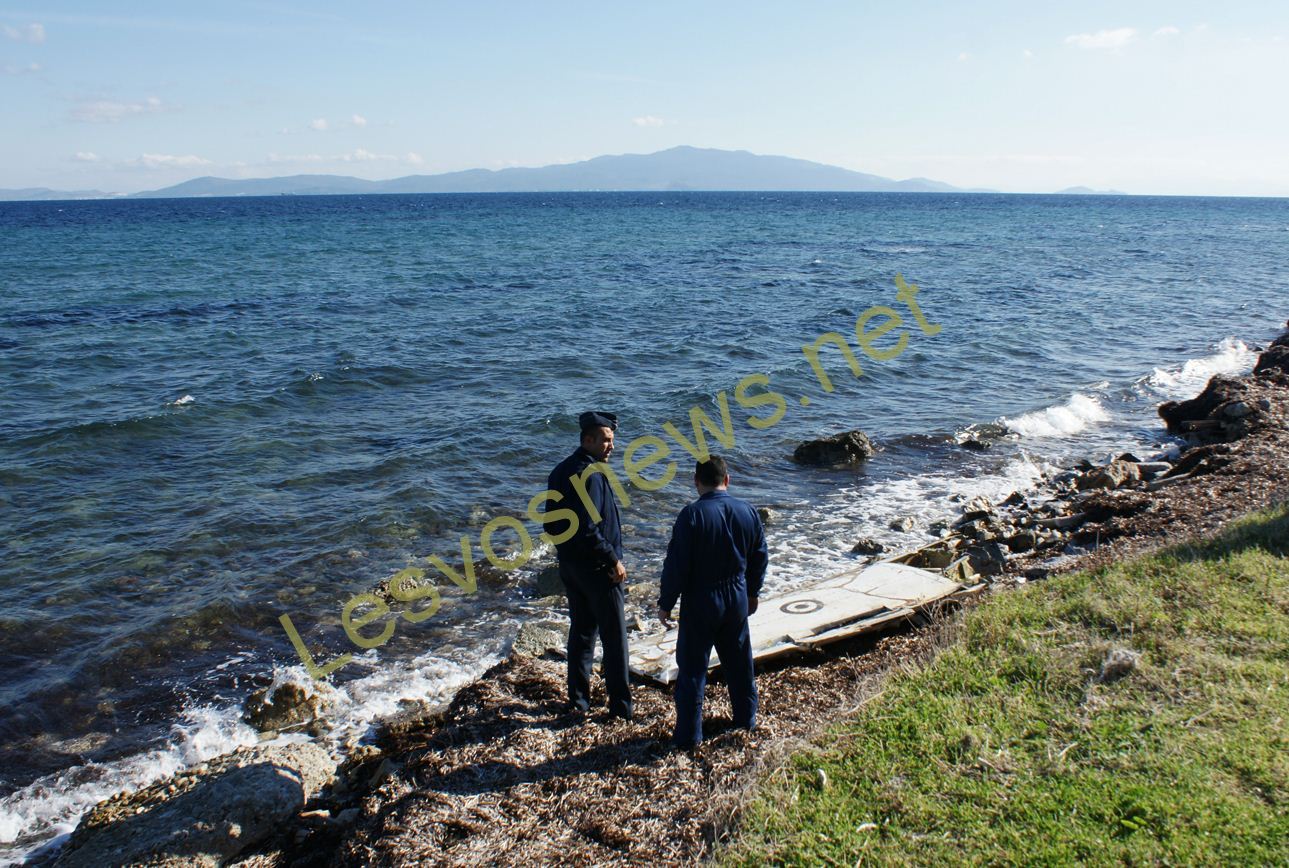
column 203, row 816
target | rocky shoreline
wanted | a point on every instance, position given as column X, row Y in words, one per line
column 504, row 774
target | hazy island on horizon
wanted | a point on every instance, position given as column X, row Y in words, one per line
column 682, row 168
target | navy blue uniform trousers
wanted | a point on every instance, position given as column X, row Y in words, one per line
column 716, row 615
column 595, row 606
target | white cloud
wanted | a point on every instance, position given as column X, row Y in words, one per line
column 963, row 57
column 318, row 124
column 358, row 155
column 1027, row 54
column 1167, row 30
column 648, row 121
column 296, row 158
column 358, row 121
column 1103, row 39
column 86, row 157
column 29, row 69
column 110, row 111
column 169, row 161
column 31, row 33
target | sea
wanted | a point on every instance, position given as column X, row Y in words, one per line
column 217, row 412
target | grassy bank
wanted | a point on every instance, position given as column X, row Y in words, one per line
column 1014, row 745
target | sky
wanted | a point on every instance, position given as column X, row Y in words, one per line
column 1179, row 98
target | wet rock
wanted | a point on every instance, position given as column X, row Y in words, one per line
column 1112, row 475
column 642, row 591
column 903, row 525
column 866, row 546
column 974, row 445
column 1236, row 410
column 977, row 507
column 289, row 705
column 1129, row 457
column 768, row 516
column 1205, row 417
column 1014, row 499
column 1276, row 358
column 1202, row 460
column 202, row 818
column 1064, row 480
column 534, row 641
column 548, row 583
column 987, row 559
column 849, row 449
column 1022, row 541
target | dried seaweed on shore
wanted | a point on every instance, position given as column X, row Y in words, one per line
column 508, row 775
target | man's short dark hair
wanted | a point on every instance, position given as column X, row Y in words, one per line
column 711, row 472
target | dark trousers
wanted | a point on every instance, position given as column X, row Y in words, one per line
column 713, row 616
column 595, row 605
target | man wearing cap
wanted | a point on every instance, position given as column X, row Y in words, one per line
column 716, row 560
column 590, row 565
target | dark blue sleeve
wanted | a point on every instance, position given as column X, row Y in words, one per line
column 588, row 540
column 758, row 558
column 675, row 569
column 592, row 538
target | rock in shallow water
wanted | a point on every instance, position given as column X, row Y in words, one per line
column 289, row 705
column 866, row 546
column 849, row 449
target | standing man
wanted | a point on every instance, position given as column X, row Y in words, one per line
column 716, row 560
column 590, row 565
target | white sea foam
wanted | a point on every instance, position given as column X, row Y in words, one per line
column 1065, row 420
column 179, row 402
column 814, row 541
column 1232, row 357
column 47, row 810
column 49, row 807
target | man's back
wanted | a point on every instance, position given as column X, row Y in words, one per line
column 717, row 538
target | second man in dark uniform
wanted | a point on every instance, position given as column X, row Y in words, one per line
column 716, row 562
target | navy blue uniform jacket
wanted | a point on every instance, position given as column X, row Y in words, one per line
column 597, row 546
column 717, row 539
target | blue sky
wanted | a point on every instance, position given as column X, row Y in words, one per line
column 1175, row 98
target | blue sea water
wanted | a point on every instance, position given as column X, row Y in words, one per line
column 216, row 412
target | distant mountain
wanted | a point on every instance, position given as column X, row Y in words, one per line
column 39, row 194
column 680, row 168
column 1088, row 191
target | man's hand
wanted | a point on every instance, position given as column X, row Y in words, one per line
column 752, row 604
column 619, row 573
column 664, row 615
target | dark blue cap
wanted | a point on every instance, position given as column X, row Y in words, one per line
column 597, row 419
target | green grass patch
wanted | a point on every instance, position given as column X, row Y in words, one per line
column 1011, row 746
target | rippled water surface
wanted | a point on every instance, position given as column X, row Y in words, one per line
column 216, row 412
